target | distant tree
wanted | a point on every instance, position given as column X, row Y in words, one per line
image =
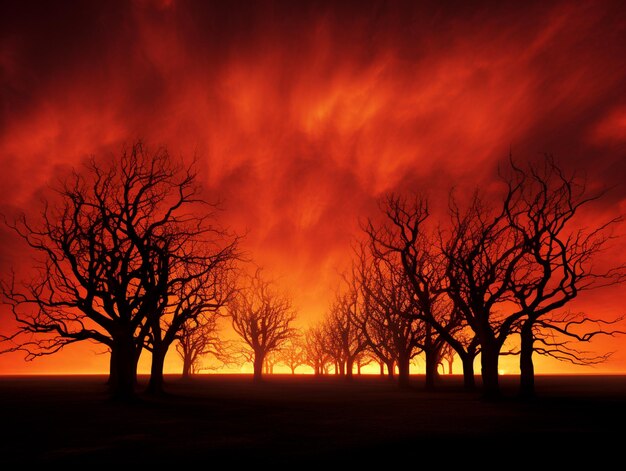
column 387, row 320
column 345, row 337
column 315, row 349
column 403, row 241
column 104, row 248
column 447, row 354
column 292, row 354
column 271, row 360
column 199, row 337
column 199, row 285
column 333, row 347
column 262, row 318
column 363, row 359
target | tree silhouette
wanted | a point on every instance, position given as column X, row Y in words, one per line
column 403, row 237
column 483, row 253
column 271, row 360
column 315, row 349
column 291, row 354
column 558, row 256
column 103, row 248
column 344, row 336
column 363, row 359
column 262, row 318
column 198, row 337
column 386, row 320
column 447, row 354
column 199, row 284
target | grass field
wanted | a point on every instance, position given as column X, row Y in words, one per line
column 305, row 420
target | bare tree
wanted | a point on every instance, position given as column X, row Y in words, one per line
column 345, row 338
column 363, row 359
column 483, row 254
column 403, row 235
column 558, row 256
column 386, row 320
column 271, row 360
column 333, row 347
column 198, row 337
column 262, row 317
column 292, row 354
column 95, row 277
column 315, row 350
column 447, row 354
column 200, row 283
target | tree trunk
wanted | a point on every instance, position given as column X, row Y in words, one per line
column 450, row 360
column 432, row 362
column 342, row 368
column 382, row 368
column 469, row 381
column 349, row 368
column 259, row 359
column 155, row 385
column 187, row 363
column 112, row 368
column 390, row 366
column 404, row 366
column 358, row 369
column 489, row 371
column 527, row 369
column 123, row 374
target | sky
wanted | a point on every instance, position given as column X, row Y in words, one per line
column 303, row 114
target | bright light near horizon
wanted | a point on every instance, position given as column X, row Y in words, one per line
column 502, row 372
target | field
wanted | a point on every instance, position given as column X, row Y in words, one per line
column 304, row 420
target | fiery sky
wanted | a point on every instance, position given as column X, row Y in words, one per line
column 304, row 113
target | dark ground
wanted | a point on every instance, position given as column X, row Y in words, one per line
column 306, row 421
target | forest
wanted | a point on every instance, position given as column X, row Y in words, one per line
column 130, row 255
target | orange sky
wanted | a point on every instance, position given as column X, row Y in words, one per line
column 304, row 113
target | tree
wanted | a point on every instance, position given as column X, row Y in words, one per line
column 483, row 254
column 291, row 354
column 97, row 275
column 387, row 322
column 559, row 258
column 447, row 355
column 345, row 337
column 198, row 337
column 199, row 283
column 262, row 318
column 363, row 359
column 403, row 236
column 271, row 360
column 315, row 349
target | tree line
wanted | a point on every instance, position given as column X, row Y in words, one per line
column 499, row 266
column 129, row 255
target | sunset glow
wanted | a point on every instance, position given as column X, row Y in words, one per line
column 302, row 116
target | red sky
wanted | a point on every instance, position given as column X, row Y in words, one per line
column 304, row 113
